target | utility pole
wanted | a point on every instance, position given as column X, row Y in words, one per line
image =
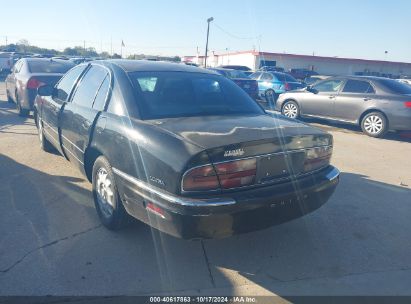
column 208, row 32
column 84, row 47
column 111, row 46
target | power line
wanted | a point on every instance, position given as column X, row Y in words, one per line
column 235, row 36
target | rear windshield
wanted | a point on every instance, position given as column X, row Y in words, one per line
column 49, row 66
column 180, row 94
column 236, row 74
column 395, row 87
column 285, row 77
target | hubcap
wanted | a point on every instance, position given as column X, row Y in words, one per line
column 373, row 124
column 105, row 192
column 290, row 110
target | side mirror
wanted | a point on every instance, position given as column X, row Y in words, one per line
column 311, row 89
column 45, row 90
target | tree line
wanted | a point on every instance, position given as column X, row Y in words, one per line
column 23, row 46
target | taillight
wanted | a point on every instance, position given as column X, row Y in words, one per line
column 34, row 83
column 317, row 158
column 237, row 173
column 202, row 178
column 226, row 175
column 407, row 104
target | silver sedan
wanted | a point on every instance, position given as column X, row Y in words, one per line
column 374, row 103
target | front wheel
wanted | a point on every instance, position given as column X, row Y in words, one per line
column 107, row 201
column 290, row 109
column 374, row 124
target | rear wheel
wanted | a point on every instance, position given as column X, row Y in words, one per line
column 22, row 112
column 291, row 109
column 374, row 124
column 108, row 203
column 9, row 100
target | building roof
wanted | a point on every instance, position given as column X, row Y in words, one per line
column 153, row 66
column 312, row 57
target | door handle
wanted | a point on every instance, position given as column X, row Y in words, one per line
column 331, row 97
column 367, row 99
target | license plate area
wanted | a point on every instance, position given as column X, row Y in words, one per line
column 279, row 166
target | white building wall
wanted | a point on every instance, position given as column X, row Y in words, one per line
column 320, row 65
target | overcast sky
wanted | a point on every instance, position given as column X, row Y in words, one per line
column 345, row 28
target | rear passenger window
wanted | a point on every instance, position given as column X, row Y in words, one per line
column 358, row 86
column 67, row 83
column 87, row 89
column 102, row 94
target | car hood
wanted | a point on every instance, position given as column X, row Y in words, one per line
column 270, row 133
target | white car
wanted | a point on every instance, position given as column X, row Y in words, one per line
column 6, row 62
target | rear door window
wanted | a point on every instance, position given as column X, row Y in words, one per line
column 89, row 85
column 66, row 84
column 358, row 86
column 102, row 94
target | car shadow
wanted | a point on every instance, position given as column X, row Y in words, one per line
column 363, row 230
column 51, row 230
column 9, row 117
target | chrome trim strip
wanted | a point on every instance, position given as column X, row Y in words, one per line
column 171, row 198
column 72, row 143
column 72, row 154
column 47, row 132
column 332, row 175
column 50, row 127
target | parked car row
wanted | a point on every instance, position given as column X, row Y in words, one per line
column 27, row 75
column 182, row 148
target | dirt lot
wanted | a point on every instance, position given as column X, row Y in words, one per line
column 51, row 241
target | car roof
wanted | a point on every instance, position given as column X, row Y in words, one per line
column 354, row 77
column 36, row 59
column 153, row 66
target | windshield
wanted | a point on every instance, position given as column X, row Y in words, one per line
column 236, row 74
column 179, row 94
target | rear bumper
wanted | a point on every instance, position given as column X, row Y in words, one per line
column 234, row 213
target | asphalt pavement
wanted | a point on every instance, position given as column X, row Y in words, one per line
column 51, row 241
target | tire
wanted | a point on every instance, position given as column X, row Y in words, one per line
column 271, row 97
column 107, row 201
column 9, row 100
column 45, row 145
column 290, row 109
column 22, row 112
column 374, row 124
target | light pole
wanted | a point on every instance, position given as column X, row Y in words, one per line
column 208, row 32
